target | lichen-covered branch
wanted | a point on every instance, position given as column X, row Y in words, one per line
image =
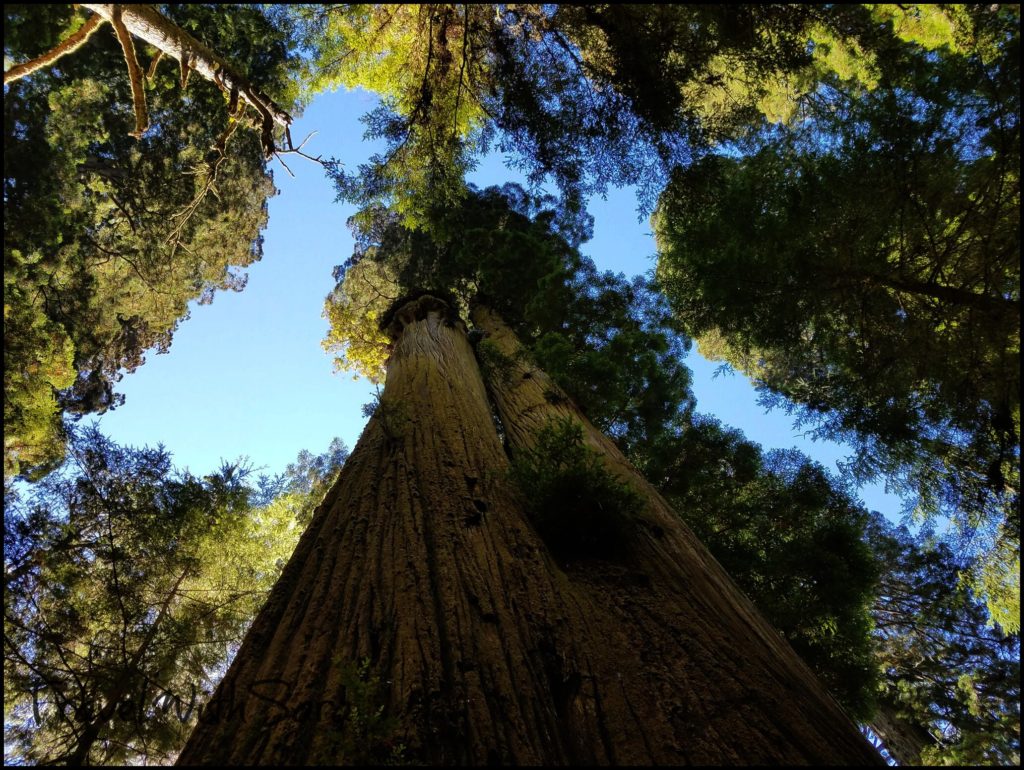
column 134, row 72
column 147, row 23
column 72, row 43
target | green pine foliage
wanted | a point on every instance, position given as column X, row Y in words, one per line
column 943, row 665
column 128, row 588
column 578, row 509
column 108, row 238
column 793, row 538
column 863, row 266
column 609, row 342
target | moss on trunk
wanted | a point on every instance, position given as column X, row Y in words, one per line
column 720, row 685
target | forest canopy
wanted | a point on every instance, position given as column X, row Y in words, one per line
column 109, row 236
column 834, row 194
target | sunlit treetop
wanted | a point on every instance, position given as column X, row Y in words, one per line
column 590, row 95
column 423, row 63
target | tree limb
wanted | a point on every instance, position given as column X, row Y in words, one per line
column 72, row 43
column 151, row 72
column 147, row 23
column 134, row 72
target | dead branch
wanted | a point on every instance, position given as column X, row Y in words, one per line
column 147, row 23
column 73, row 42
column 185, row 62
column 218, row 154
column 151, row 72
column 298, row 151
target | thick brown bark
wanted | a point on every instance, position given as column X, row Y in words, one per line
column 422, row 563
column 419, row 561
column 723, row 686
column 903, row 739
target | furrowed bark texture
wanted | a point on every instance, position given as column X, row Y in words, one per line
column 717, row 684
column 478, row 647
column 421, row 561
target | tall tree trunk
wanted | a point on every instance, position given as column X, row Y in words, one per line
column 420, row 563
column 904, row 739
column 729, row 687
column 422, row 619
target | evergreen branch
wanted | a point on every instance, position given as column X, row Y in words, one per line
column 462, row 69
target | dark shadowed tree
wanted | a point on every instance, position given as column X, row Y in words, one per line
column 885, row 619
column 951, row 682
column 793, row 539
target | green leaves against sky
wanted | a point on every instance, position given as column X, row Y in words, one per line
column 108, row 238
column 836, row 200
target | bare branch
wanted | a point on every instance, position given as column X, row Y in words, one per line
column 152, row 65
column 72, row 43
column 281, row 161
column 134, row 73
column 298, row 151
column 147, row 23
column 218, row 149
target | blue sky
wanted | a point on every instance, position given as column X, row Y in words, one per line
column 246, row 376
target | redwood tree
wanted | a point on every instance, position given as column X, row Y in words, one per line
column 422, row 618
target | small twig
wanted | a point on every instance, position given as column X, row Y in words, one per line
column 72, row 43
column 302, row 144
column 213, row 169
column 134, row 74
column 281, row 161
column 298, row 151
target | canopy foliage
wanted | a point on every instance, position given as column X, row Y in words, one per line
column 606, row 340
column 128, row 587
column 863, row 265
column 108, row 237
column 943, row 665
column 837, row 211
